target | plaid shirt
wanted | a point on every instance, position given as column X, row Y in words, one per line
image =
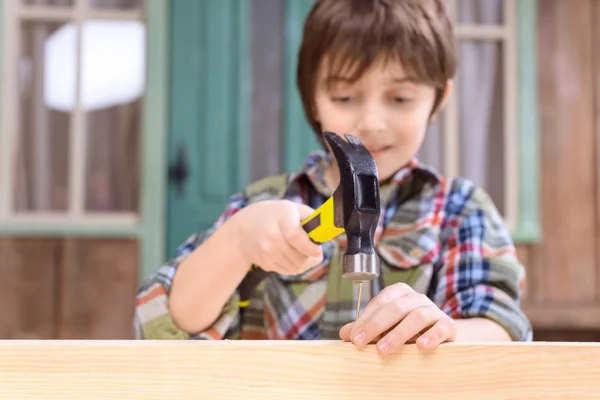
column 443, row 237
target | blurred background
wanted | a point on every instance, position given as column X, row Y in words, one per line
column 125, row 125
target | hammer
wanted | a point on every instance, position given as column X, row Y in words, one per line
column 353, row 208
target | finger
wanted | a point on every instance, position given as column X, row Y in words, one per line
column 300, row 261
column 276, row 265
column 442, row 331
column 304, row 211
column 345, row 332
column 281, row 262
column 291, row 259
column 299, row 239
column 387, row 295
column 385, row 318
column 415, row 322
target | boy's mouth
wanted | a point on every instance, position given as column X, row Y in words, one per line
column 375, row 151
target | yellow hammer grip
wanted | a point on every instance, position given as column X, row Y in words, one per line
column 320, row 224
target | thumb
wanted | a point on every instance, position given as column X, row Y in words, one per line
column 298, row 237
column 304, row 211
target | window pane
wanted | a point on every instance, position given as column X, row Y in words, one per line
column 116, row 4
column 42, row 163
column 481, row 99
column 60, row 3
column 113, row 80
column 486, row 12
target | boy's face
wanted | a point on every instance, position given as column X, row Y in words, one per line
column 386, row 109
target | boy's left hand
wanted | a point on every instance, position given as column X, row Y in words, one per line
column 398, row 315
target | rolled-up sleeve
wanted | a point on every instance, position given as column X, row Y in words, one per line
column 480, row 275
column 152, row 318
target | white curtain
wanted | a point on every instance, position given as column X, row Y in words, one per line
column 479, row 87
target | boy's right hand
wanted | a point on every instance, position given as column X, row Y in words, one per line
column 269, row 234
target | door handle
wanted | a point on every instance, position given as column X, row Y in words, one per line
column 179, row 171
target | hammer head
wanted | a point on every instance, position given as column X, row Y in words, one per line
column 356, row 205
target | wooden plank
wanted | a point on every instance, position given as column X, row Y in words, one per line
column 563, row 316
column 566, row 260
column 293, row 370
column 97, row 288
column 596, row 56
column 27, row 288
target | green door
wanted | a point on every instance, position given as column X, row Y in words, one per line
column 235, row 112
column 299, row 138
column 207, row 146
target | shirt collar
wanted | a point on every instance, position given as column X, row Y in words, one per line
column 317, row 162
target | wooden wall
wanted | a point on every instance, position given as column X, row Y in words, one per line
column 563, row 297
column 67, row 288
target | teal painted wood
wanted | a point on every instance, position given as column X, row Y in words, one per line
column 209, row 118
column 154, row 128
column 528, row 229
column 2, row 11
column 298, row 139
column 29, row 229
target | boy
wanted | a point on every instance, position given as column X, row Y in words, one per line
column 380, row 70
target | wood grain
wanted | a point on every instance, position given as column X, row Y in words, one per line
column 98, row 282
column 293, row 370
column 596, row 56
column 566, row 316
column 27, row 288
column 565, row 262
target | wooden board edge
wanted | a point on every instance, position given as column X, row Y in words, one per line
column 294, row 369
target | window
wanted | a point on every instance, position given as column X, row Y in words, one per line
column 82, row 132
column 72, row 90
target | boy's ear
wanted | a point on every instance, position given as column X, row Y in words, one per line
column 443, row 101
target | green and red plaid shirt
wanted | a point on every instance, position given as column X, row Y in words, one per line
column 443, row 237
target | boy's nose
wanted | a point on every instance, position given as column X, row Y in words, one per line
column 371, row 122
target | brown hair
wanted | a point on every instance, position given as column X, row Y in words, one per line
column 353, row 33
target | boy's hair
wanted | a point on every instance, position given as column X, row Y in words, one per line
column 351, row 34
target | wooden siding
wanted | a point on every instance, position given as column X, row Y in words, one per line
column 564, row 276
column 67, row 288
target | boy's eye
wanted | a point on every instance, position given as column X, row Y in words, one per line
column 401, row 99
column 343, row 99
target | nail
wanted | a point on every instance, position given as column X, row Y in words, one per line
column 383, row 346
column 358, row 337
